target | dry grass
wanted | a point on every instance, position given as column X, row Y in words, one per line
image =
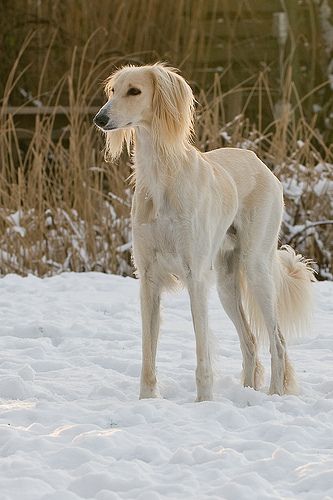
column 59, row 204
column 202, row 37
column 63, row 208
column 295, row 151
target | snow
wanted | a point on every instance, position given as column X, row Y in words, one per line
column 72, row 427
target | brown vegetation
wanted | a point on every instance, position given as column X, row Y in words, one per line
column 63, row 208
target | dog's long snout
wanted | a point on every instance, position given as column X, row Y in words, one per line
column 101, row 119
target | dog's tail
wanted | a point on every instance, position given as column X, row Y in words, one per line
column 294, row 292
column 292, row 275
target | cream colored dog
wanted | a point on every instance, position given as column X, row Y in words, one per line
column 196, row 212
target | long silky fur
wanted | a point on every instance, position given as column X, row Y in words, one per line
column 293, row 275
column 172, row 125
column 194, row 213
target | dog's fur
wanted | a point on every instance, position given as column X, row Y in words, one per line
column 194, row 213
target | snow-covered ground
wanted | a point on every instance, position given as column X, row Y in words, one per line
column 72, row 427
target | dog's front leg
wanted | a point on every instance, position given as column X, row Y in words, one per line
column 150, row 315
column 199, row 308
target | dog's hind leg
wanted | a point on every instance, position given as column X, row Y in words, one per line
column 199, row 308
column 150, row 294
column 262, row 286
column 229, row 290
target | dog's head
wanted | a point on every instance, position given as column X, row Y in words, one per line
column 154, row 97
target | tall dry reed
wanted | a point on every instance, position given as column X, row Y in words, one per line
column 63, row 208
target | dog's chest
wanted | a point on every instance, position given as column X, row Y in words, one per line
column 169, row 243
column 159, row 219
column 165, row 230
column 163, row 233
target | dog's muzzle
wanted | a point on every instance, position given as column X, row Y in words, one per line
column 101, row 120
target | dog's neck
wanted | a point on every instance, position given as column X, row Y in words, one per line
column 155, row 172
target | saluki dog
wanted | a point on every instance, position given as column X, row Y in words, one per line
column 195, row 213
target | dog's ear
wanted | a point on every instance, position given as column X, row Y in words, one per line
column 116, row 139
column 173, row 105
column 109, row 84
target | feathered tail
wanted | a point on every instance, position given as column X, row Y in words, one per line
column 292, row 276
column 294, row 292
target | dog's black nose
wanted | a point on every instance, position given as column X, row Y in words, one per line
column 101, row 119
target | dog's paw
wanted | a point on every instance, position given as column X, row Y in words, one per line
column 149, row 392
column 206, row 396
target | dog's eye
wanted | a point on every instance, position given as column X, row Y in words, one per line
column 112, row 90
column 133, row 91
